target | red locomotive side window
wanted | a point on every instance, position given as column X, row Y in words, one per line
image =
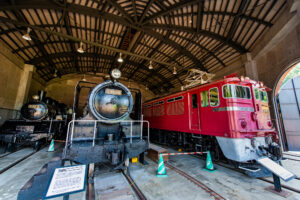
column 204, row 99
column 214, row 97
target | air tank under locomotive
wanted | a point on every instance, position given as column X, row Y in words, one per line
column 112, row 131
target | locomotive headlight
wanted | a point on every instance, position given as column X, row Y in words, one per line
column 116, row 73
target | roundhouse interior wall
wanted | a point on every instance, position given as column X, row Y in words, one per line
column 10, row 74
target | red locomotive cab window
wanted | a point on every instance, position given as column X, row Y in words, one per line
column 236, row 91
column 214, row 97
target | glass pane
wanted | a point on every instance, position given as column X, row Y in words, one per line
column 263, row 96
column 194, row 101
column 204, row 98
column 214, row 96
column 256, row 93
column 236, row 91
column 227, row 91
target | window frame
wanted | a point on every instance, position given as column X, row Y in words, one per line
column 209, row 97
column 236, row 97
column 148, row 105
column 173, row 99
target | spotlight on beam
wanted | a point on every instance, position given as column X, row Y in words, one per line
column 120, row 59
column 80, row 49
column 26, row 36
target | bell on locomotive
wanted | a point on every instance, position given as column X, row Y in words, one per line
column 111, row 126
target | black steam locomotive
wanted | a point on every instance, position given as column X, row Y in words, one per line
column 112, row 129
column 41, row 120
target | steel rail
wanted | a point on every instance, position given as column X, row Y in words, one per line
column 133, row 185
column 197, row 182
column 2, row 156
column 17, row 162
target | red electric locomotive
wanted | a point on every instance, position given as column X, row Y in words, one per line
column 231, row 115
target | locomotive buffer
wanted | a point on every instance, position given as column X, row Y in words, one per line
column 278, row 172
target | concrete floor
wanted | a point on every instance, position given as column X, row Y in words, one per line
column 15, row 178
column 11, row 158
column 229, row 184
column 113, row 186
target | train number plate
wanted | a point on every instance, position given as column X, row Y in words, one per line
column 113, row 91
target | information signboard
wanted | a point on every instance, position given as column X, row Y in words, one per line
column 67, row 180
column 276, row 169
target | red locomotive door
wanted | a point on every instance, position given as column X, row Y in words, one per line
column 194, row 111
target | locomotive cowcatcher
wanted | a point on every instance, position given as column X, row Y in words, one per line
column 229, row 117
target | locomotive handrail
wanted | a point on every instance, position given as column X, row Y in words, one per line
column 70, row 139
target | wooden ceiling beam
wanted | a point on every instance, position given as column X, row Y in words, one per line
column 220, row 38
column 96, row 13
column 36, row 61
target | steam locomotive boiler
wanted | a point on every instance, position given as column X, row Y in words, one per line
column 38, row 123
column 112, row 129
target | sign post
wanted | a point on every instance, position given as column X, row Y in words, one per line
column 66, row 181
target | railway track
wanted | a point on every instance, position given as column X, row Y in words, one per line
column 197, row 182
column 17, row 162
column 133, row 185
column 114, row 185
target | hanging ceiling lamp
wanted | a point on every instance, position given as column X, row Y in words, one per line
column 80, row 49
column 26, row 36
column 120, row 59
column 55, row 73
column 174, row 71
column 150, row 65
column 84, row 78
